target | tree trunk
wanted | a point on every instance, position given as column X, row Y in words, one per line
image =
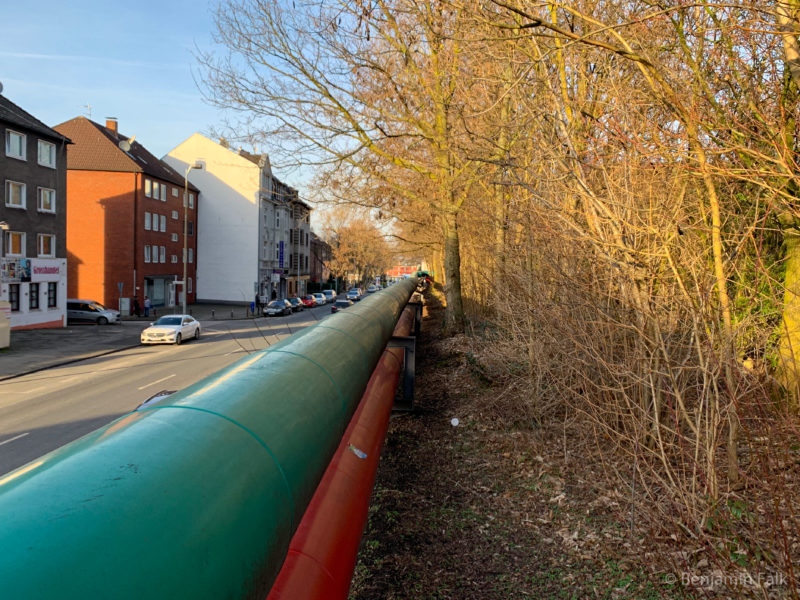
column 454, row 311
column 789, row 368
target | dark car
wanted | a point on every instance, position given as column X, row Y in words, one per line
column 340, row 305
column 297, row 304
column 278, row 307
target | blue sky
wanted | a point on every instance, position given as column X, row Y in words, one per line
column 133, row 61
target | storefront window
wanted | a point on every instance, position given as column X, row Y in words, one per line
column 34, row 295
column 52, row 294
column 13, row 296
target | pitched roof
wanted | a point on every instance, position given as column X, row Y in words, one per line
column 96, row 148
column 14, row 115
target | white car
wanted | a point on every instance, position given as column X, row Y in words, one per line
column 171, row 329
column 320, row 298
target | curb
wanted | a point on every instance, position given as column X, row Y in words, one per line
column 67, row 362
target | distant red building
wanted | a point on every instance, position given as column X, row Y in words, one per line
column 402, row 271
column 125, row 220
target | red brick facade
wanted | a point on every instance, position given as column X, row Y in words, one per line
column 106, row 238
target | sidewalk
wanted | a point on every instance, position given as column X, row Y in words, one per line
column 36, row 349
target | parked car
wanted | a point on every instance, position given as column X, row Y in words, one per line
column 372, row 289
column 90, row 311
column 320, row 298
column 352, row 294
column 309, row 301
column 171, row 329
column 340, row 304
column 330, row 295
column 297, row 304
column 278, row 307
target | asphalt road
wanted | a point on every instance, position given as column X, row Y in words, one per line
column 45, row 410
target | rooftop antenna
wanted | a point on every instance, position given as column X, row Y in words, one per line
column 88, row 108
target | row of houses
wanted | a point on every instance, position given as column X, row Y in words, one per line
column 90, row 213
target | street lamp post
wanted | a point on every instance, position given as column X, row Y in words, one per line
column 196, row 165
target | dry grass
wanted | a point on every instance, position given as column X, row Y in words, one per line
column 530, row 496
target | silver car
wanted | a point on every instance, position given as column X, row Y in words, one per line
column 90, row 311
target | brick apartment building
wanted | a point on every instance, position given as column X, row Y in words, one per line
column 33, row 249
column 125, row 220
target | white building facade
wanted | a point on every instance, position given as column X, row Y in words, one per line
column 251, row 226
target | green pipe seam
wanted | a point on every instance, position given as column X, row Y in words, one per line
column 197, row 496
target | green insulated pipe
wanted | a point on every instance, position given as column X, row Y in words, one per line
column 197, row 496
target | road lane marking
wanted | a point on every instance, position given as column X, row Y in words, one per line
column 158, row 381
column 21, row 435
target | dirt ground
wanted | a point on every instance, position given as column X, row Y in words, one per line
column 497, row 506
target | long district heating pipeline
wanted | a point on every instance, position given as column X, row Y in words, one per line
column 197, row 496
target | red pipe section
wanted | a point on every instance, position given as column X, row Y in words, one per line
column 322, row 554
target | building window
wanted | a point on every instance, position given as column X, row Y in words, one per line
column 190, row 228
column 174, row 192
column 277, row 251
column 164, row 223
column 188, row 285
column 147, row 254
column 156, row 190
column 47, row 154
column 33, row 298
column 15, row 243
column 175, row 214
column 15, row 145
column 191, row 200
column 163, row 254
column 15, row 194
column 13, row 296
column 174, row 258
column 148, row 188
column 174, row 237
column 52, row 294
column 191, row 255
column 46, row 244
column 163, row 192
column 147, row 218
column 47, row 200
column 277, row 220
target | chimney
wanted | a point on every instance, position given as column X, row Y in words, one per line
column 111, row 124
